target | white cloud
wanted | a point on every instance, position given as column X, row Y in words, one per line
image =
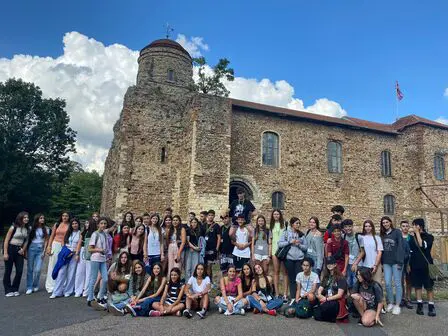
column 93, row 79
column 446, row 92
column 442, row 120
column 193, row 46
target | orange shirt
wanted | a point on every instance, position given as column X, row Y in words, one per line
column 60, row 233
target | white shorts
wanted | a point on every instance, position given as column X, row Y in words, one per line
column 260, row 257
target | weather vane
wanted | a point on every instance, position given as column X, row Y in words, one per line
column 169, row 29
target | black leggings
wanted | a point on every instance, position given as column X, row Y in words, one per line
column 14, row 259
column 327, row 311
column 293, row 267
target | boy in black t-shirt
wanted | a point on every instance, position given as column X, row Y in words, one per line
column 203, row 221
column 226, row 247
column 212, row 242
column 241, row 206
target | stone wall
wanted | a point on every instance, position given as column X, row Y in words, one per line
column 303, row 173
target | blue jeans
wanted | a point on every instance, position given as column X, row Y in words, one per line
column 146, row 306
column 271, row 304
column 34, row 265
column 351, row 276
column 122, row 304
column 95, row 267
column 236, row 306
column 389, row 272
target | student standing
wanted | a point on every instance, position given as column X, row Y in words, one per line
column 136, row 243
column 54, row 247
column 356, row 250
column 241, row 241
column 193, row 249
column 128, row 219
column 226, row 247
column 277, row 227
column 212, row 242
column 392, row 260
column 37, row 244
column 98, row 249
column 261, row 248
column 421, row 245
column 338, row 248
column 405, row 278
column 367, row 297
column 154, row 250
column 13, row 253
column 298, row 247
column 177, row 237
column 166, row 225
column 241, row 206
column 315, row 244
column 121, row 240
column 65, row 281
column 373, row 248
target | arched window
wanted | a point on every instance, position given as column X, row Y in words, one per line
column 278, row 200
column 270, row 147
column 163, row 155
column 334, row 150
column 389, row 205
column 171, row 75
column 386, row 168
column 439, row 166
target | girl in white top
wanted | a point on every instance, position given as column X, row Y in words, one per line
column 197, row 290
column 154, row 251
column 242, row 242
column 373, row 247
column 65, row 282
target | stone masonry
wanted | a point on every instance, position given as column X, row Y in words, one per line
column 175, row 147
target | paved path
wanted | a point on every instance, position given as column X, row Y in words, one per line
column 37, row 314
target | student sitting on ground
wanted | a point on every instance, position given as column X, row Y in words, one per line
column 231, row 300
column 331, row 294
column 262, row 298
column 196, row 290
column 307, row 282
column 367, row 296
column 173, row 298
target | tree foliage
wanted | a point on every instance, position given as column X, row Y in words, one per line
column 80, row 194
column 35, row 141
column 210, row 82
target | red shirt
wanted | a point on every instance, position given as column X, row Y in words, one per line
column 333, row 247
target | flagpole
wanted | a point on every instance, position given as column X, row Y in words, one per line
column 396, row 104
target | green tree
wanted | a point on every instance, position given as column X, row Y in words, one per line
column 80, row 194
column 35, row 141
column 212, row 83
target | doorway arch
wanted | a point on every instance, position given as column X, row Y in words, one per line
column 234, row 186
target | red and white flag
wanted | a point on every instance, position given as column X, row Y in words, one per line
column 398, row 92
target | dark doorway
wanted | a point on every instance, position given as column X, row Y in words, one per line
column 233, row 188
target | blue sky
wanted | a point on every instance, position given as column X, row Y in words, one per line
column 350, row 52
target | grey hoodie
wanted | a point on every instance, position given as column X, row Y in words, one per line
column 295, row 252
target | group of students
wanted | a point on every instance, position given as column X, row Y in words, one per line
column 153, row 266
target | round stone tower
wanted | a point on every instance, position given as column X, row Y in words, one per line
column 165, row 61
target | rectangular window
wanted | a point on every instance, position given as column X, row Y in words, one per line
column 334, row 152
column 386, row 168
column 439, row 167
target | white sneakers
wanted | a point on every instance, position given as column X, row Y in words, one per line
column 389, row 308
column 10, row 294
column 29, row 291
column 396, row 310
column 35, row 289
column 53, row 296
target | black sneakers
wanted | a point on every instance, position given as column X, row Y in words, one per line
column 420, row 308
column 187, row 313
column 431, row 310
column 99, row 304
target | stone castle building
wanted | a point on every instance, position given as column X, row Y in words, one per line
column 176, row 147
